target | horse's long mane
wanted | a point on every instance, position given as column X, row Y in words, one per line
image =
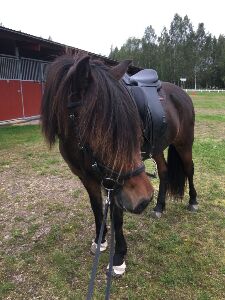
column 108, row 120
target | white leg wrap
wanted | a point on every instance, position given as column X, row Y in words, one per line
column 156, row 214
column 103, row 246
column 118, row 270
column 195, row 206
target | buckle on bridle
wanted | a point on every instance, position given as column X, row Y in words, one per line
column 72, row 116
column 110, row 184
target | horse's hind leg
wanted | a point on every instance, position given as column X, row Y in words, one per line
column 186, row 157
column 163, row 177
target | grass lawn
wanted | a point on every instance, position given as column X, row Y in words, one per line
column 46, row 224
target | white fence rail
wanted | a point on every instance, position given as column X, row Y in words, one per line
column 205, row 90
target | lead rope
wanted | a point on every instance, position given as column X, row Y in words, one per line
column 97, row 253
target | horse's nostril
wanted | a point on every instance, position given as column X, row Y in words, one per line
column 141, row 206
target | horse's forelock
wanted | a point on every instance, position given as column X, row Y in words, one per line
column 109, row 121
column 56, row 96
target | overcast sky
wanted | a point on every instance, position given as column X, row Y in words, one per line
column 96, row 25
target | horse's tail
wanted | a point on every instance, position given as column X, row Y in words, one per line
column 176, row 175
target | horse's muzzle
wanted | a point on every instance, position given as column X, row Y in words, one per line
column 139, row 209
column 127, row 205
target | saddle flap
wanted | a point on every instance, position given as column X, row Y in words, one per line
column 152, row 115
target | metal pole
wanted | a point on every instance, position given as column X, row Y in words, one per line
column 21, row 85
column 195, row 71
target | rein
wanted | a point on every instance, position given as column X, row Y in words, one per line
column 97, row 253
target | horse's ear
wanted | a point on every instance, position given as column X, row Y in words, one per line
column 80, row 73
column 119, row 70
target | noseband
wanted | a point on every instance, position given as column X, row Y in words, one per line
column 110, row 179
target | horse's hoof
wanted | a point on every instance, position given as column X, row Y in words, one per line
column 117, row 271
column 103, row 246
column 156, row 214
column 192, row 207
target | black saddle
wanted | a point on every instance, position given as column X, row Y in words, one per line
column 143, row 88
column 147, row 77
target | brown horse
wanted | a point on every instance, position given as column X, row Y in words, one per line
column 88, row 108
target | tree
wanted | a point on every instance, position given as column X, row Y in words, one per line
column 179, row 52
column 113, row 52
column 149, row 35
column 165, row 56
column 219, row 62
column 203, row 55
column 181, row 36
column 149, row 48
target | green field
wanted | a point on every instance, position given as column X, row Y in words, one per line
column 46, row 224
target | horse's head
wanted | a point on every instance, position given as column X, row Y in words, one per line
column 107, row 121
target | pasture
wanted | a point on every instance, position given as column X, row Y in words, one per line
column 46, row 224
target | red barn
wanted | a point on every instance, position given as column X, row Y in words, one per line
column 23, row 62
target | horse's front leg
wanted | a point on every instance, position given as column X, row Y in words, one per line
column 94, row 192
column 119, row 265
column 163, row 181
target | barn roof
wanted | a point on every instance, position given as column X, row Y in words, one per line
column 37, row 47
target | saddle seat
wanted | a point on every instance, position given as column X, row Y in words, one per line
column 146, row 77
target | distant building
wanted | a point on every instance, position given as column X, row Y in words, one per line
column 23, row 62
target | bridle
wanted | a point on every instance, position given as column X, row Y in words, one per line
column 109, row 178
